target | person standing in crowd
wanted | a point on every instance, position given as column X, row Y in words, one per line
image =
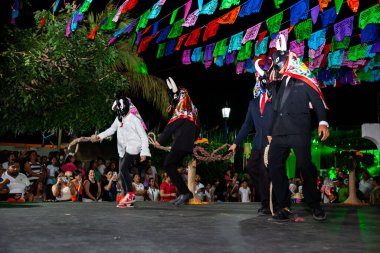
column 244, row 192
column 132, row 141
column 259, row 116
column 184, row 128
column 296, row 88
column 52, row 171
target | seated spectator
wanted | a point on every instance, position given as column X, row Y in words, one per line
column 365, row 185
column 78, row 185
column 138, row 188
column 51, row 172
column 92, row 188
column 18, row 183
column 374, row 197
column 69, row 164
column 34, row 172
column 109, row 186
column 167, row 189
column 113, row 166
column 4, row 191
column 244, row 192
column 147, row 176
column 63, row 189
column 153, row 194
column 199, row 188
column 94, row 166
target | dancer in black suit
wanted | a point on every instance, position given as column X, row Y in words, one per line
column 184, row 128
column 259, row 116
column 291, row 128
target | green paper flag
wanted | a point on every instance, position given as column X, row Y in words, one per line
column 161, row 50
column 335, row 45
column 173, row 16
column 220, row 48
column 274, row 23
column 109, row 24
column 226, row 4
column 277, row 3
column 176, row 29
column 245, row 51
column 85, row 6
column 338, row 5
column 303, row 30
column 143, row 20
column 370, row 15
column 356, row 52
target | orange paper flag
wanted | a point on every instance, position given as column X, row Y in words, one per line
column 230, row 17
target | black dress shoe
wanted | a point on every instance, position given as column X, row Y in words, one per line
column 263, row 211
column 283, row 214
column 183, row 198
column 319, row 214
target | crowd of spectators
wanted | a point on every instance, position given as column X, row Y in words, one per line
column 31, row 177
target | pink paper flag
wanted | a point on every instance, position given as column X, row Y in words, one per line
column 251, row 33
column 187, row 8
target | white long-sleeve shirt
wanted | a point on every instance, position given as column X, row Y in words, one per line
column 131, row 136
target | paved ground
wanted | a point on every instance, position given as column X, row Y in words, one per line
column 159, row 227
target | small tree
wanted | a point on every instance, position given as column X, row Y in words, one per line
column 352, row 162
column 49, row 81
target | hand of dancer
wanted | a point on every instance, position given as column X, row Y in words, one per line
column 323, row 132
column 156, row 145
column 269, row 139
column 142, row 158
column 97, row 137
column 232, row 148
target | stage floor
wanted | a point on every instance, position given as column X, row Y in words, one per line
column 160, row 227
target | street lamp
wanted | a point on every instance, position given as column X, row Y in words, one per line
column 226, row 114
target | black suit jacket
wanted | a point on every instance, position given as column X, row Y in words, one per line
column 291, row 112
column 261, row 123
column 184, row 133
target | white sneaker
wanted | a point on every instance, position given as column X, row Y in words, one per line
column 129, row 198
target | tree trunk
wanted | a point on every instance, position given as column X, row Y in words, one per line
column 352, row 198
column 190, row 178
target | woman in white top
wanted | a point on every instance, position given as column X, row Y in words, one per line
column 138, row 188
column 63, row 189
column 153, row 192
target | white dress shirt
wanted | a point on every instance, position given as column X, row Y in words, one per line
column 131, row 136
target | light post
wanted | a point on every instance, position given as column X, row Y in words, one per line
column 226, row 114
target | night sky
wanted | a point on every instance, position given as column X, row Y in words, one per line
column 210, row 89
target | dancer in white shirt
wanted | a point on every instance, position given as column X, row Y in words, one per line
column 132, row 141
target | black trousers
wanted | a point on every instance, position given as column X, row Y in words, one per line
column 278, row 153
column 260, row 176
column 172, row 161
column 125, row 163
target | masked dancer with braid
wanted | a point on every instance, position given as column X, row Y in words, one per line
column 297, row 90
column 184, row 128
column 132, row 141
